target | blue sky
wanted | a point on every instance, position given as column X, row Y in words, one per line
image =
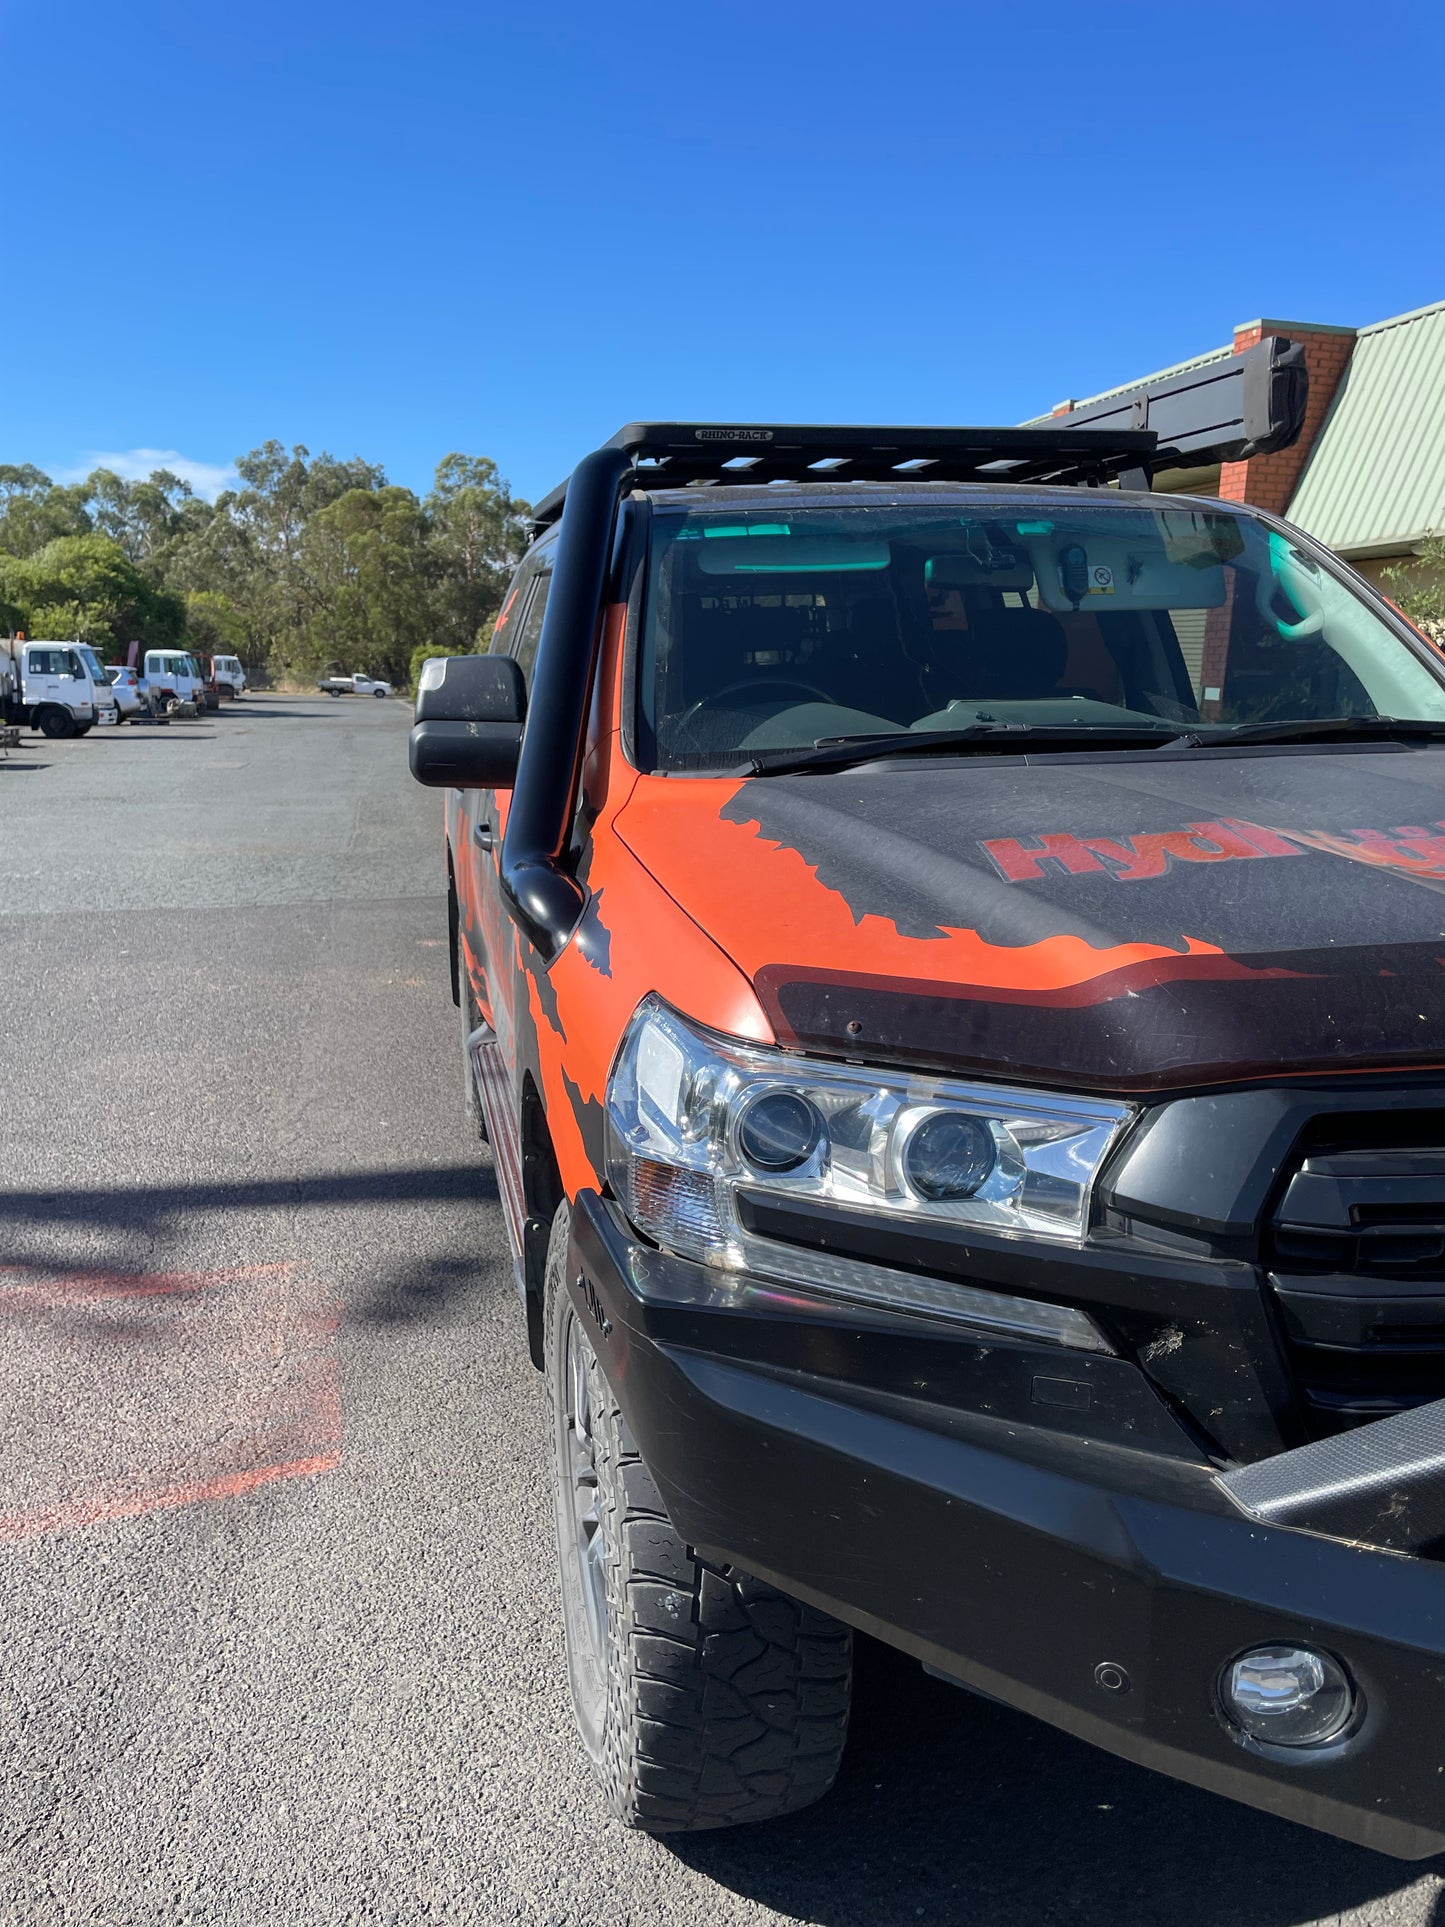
column 395, row 231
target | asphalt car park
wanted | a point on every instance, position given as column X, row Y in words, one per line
column 276, row 1558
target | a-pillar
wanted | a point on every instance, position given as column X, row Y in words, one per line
column 1269, row 481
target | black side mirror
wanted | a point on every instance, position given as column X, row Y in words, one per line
column 468, row 729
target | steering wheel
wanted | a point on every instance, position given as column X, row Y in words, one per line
column 747, row 687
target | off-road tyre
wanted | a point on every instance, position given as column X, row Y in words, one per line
column 716, row 1700
column 54, row 723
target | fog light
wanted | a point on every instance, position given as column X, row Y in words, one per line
column 1287, row 1696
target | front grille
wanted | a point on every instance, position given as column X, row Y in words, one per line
column 1357, row 1263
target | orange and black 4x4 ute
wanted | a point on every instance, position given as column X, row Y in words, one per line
column 951, row 953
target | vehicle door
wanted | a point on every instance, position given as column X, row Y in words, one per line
column 481, row 820
column 42, row 677
column 56, row 675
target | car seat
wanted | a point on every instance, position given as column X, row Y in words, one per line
column 1007, row 655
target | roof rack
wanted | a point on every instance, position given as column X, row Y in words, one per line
column 1249, row 404
column 716, row 454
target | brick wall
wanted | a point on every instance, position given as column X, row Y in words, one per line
column 1268, row 481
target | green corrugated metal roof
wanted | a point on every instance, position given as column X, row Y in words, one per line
column 1375, row 481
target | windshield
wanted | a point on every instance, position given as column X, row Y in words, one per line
column 92, row 663
column 776, row 629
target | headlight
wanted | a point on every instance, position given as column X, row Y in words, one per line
column 694, row 1119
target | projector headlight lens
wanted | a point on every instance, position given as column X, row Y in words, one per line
column 778, row 1131
column 948, row 1156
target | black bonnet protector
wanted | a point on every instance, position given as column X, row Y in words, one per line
column 1280, row 911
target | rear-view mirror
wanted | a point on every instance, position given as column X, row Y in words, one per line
column 469, row 716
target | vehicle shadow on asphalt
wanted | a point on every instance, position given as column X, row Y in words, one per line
column 163, row 733
column 421, row 1294
column 151, row 1208
column 950, row 1808
column 315, row 706
column 270, row 711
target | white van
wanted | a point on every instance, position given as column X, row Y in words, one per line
column 171, row 673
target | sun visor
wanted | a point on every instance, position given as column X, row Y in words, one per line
column 777, row 550
column 1110, row 573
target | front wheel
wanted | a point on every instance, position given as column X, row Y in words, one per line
column 55, row 723
column 379, row 694
column 83, row 729
column 703, row 1697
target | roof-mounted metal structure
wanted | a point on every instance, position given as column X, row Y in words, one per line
column 1243, row 406
column 1223, row 411
column 712, row 454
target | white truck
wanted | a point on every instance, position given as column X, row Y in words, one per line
column 355, row 684
column 58, row 688
column 229, row 675
column 174, row 678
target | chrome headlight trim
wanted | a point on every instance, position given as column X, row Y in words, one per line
column 676, row 1162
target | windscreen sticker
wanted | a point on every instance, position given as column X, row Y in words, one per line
column 1101, row 580
column 1409, row 850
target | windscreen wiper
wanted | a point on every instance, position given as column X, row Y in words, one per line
column 1323, row 729
column 840, row 752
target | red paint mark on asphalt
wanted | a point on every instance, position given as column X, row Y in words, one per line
column 95, row 1512
column 126, row 1394
column 126, row 1284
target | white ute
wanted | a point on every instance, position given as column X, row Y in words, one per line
column 354, row 685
